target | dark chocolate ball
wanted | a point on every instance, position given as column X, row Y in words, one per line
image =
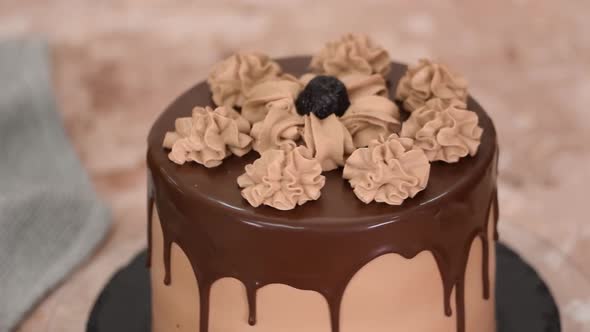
column 323, row 96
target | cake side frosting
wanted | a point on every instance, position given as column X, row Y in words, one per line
column 458, row 196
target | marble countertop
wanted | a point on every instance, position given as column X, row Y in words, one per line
column 117, row 64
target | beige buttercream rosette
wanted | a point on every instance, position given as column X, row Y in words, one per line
column 352, row 53
column 282, row 179
column 233, row 77
column 208, row 136
column 388, row 170
column 428, row 80
column 444, row 130
column 258, row 111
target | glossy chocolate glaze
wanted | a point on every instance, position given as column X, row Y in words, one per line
column 320, row 245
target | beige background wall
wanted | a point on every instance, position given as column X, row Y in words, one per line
column 118, row 63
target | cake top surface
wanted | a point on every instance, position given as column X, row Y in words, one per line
column 338, row 203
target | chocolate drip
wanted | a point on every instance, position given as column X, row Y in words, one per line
column 460, row 299
column 485, row 238
column 447, row 283
column 150, row 213
column 495, row 203
column 334, row 302
column 326, row 242
column 251, row 291
column 167, row 251
column 485, row 272
column 496, row 216
column 204, row 297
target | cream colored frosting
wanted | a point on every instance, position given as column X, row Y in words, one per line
column 231, row 79
column 281, row 128
column 257, row 99
column 208, row 137
column 387, row 171
column 359, row 85
column 428, row 80
column 282, row 179
column 444, row 132
column 371, row 117
column 352, row 53
column 328, row 140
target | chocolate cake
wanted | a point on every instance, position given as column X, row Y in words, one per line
column 368, row 202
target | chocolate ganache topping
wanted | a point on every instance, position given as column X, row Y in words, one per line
column 203, row 212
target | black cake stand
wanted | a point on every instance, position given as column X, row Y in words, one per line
column 523, row 301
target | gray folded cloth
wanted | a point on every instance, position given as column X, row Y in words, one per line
column 50, row 216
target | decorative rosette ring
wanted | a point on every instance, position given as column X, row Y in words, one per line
column 330, row 116
column 337, row 115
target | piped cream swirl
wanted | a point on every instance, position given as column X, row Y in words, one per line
column 444, row 132
column 387, row 171
column 328, row 140
column 255, row 108
column 369, row 118
column 281, row 128
column 352, row 53
column 428, row 80
column 231, row 79
column 282, row 179
column 208, row 137
column 359, row 85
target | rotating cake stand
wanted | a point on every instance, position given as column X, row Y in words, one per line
column 523, row 301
